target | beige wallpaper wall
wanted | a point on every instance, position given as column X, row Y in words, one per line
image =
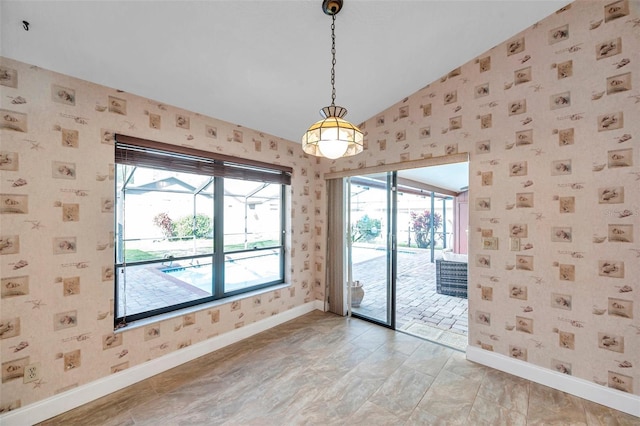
column 551, row 119
column 56, row 234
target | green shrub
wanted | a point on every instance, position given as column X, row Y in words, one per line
column 365, row 230
column 184, row 227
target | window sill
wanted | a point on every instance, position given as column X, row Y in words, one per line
column 214, row 304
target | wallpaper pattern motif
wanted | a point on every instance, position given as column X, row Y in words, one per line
column 57, row 222
column 550, row 120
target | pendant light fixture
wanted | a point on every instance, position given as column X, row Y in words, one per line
column 332, row 137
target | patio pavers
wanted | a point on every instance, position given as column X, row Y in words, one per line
column 149, row 288
column 416, row 297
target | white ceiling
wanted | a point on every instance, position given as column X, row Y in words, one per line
column 454, row 177
column 262, row 64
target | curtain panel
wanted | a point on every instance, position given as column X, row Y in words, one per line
column 336, row 251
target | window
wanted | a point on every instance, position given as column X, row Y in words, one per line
column 193, row 226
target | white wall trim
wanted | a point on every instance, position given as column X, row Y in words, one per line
column 73, row 398
column 621, row 401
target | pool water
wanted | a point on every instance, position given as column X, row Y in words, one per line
column 240, row 271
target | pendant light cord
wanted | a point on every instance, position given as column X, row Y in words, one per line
column 333, row 61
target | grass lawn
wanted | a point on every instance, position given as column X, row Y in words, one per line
column 135, row 255
column 179, row 249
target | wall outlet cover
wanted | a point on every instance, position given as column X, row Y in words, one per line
column 32, row 372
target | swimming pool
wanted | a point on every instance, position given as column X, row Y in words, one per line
column 241, row 270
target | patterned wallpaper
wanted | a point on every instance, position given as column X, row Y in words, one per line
column 550, row 119
column 57, row 223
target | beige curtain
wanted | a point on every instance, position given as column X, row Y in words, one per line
column 336, row 250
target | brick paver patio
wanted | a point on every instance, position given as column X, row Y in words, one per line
column 149, row 288
column 416, row 296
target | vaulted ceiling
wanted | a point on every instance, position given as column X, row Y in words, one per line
column 262, row 64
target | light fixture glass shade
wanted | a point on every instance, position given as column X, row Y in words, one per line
column 333, row 137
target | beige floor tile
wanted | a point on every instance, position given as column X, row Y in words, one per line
column 485, row 412
column 322, row 369
column 625, row 419
column 509, row 392
column 340, row 362
column 374, row 338
column 455, row 417
column 458, row 364
column 450, row 393
column 429, row 358
column 402, row 391
column 101, row 415
column 320, row 412
column 380, row 364
column 349, row 393
column 371, row 414
column 420, row 418
column 549, row 406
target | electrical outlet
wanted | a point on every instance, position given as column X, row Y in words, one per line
column 32, row 372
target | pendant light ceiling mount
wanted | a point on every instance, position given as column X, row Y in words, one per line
column 331, row 7
column 333, row 136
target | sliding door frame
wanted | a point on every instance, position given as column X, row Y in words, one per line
column 335, row 286
column 392, row 245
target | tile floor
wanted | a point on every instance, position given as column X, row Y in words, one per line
column 323, row 369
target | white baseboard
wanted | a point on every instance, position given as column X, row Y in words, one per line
column 73, row 398
column 621, row 401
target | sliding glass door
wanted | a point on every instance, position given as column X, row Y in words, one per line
column 386, row 230
column 395, row 232
column 372, row 231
